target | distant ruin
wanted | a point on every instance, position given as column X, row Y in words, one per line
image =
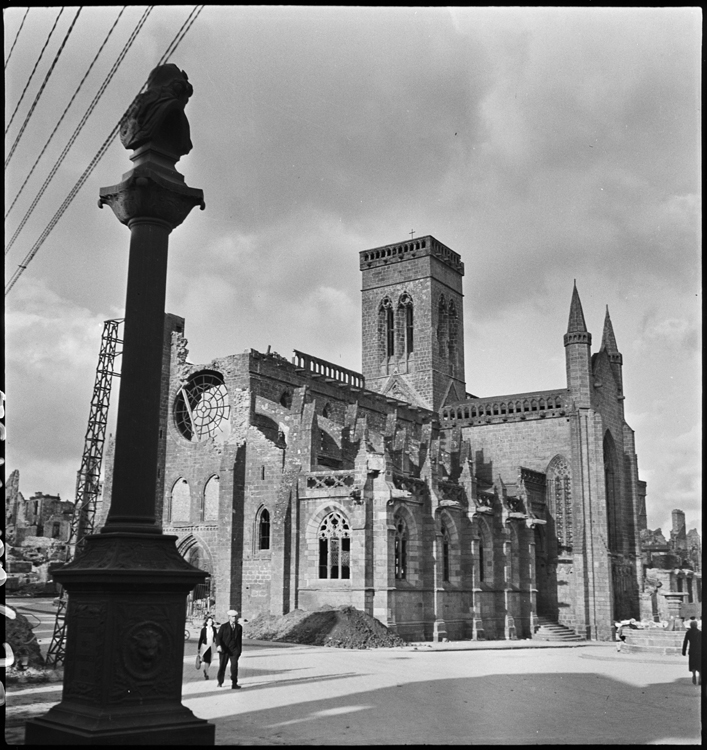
column 37, row 535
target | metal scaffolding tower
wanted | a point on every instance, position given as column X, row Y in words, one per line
column 88, row 479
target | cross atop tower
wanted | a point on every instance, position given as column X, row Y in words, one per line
column 412, row 233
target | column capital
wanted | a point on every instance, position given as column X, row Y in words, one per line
column 149, row 192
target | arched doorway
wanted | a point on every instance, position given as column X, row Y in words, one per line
column 545, row 575
column 200, row 599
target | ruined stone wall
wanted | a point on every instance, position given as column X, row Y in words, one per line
column 263, row 474
column 499, row 449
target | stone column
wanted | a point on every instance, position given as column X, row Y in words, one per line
column 509, row 625
column 439, row 628
column 127, row 591
column 477, row 628
column 532, row 581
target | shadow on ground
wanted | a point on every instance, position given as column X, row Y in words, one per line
column 500, row 709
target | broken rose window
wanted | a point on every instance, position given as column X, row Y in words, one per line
column 201, row 408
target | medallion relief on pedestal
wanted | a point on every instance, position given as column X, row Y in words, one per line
column 148, row 644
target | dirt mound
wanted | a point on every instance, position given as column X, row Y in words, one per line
column 341, row 627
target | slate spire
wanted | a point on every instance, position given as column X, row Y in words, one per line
column 608, row 340
column 578, row 343
column 576, row 322
column 608, row 345
column 576, row 328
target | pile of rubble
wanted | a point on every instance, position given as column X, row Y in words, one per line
column 27, row 661
column 341, row 627
column 29, row 566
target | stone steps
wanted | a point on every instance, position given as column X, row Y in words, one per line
column 553, row 631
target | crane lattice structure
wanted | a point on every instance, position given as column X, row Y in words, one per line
column 88, row 479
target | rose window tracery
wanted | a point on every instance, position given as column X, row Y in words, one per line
column 201, row 408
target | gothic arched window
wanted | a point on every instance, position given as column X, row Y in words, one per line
column 401, row 548
column 559, row 501
column 389, row 332
column 264, row 530
column 386, row 328
column 442, row 327
column 209, row 510
column 335, row 547
column 407, row 323
column 180, row 501
column 445, row 553
column 452, row 331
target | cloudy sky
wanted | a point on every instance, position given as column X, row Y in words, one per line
column 543, row 145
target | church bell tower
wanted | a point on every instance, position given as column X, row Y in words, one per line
column 413, row 329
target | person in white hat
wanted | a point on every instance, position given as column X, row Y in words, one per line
column 229, row 644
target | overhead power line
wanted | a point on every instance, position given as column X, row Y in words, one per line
column 61, row 119
column 41, row 89
column 181, row 34
column 172, row 47
column 17, row 36
column 29, row 80
column 79, row 127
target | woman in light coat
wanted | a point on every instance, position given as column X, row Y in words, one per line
column 206, row 643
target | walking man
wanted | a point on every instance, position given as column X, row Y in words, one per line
column 229, row 644
column 693, row 639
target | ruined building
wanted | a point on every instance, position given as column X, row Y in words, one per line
column 297, row 484
column 37, row 532
column 41, row 515
column 672, row 568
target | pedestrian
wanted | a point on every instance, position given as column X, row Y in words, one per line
column 693, row 637
column 621, row 631
column 207, row 638
column 229, row 644
column 620, row 637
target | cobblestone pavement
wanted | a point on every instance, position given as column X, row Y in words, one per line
column 424, row 694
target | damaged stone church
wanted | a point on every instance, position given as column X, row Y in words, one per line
column 299, row 483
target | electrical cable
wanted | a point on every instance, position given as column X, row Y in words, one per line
column 42, row 87
column 84, row 119
column 16, row 38
column 181, row 34
column 61, row 119
column 29, row 80
column 172, row 47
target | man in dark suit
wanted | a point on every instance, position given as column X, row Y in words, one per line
column 229, row 644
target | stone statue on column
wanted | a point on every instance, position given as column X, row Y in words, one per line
column 127, row 591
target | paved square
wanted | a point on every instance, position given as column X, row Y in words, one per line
column 494, row 693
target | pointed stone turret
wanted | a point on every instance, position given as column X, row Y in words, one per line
column 578, row 343
column 577, row 328
column 608, row 344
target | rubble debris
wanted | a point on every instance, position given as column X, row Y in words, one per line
column 340, row 627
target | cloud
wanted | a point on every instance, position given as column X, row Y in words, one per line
column 52, row 352
column 675, row 479
column 668, row 333
column 544, row 145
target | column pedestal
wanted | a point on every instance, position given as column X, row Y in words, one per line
column 124, row 647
